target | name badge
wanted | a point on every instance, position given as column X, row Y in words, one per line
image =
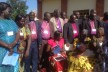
column 57, row 26
column 74, row 31
column 100, row 43
column 21, row 34
column 33, row 32
column 10, row 33
column 46, row 32
column 94, row 30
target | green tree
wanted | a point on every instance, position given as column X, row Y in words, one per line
column 18, row 6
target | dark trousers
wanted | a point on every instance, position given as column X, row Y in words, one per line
column 42, row 50
column 32, row 60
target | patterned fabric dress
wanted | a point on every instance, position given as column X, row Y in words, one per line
column 78, row 64
column 24, row 32
column 7, row 26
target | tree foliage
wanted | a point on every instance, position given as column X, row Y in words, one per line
column 18, row 6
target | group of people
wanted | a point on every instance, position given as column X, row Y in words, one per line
column 36, row 41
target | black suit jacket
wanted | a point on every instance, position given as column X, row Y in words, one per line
column 86, row 25
column 38, row 26
column 68, row 32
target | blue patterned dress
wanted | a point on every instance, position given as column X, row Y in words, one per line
column 5, row 27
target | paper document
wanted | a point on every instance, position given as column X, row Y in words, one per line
column 10, row 60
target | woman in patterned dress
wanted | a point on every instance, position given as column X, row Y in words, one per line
column 77, row 62
column 24, row 41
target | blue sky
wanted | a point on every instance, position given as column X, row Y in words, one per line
column 32, row 4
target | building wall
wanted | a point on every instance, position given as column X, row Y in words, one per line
column 80, row 5
column 106, row 6
column 50, row 5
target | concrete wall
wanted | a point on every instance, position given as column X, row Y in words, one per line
column 106, row 6
column 80, row 5
column 50, row 5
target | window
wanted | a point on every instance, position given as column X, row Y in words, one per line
column 82, row 12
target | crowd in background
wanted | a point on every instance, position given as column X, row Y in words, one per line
column 81, row 41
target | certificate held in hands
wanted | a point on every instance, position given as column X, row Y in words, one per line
column 10, row 60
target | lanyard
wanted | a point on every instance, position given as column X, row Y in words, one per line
column 46, row 24
column 92, row 24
